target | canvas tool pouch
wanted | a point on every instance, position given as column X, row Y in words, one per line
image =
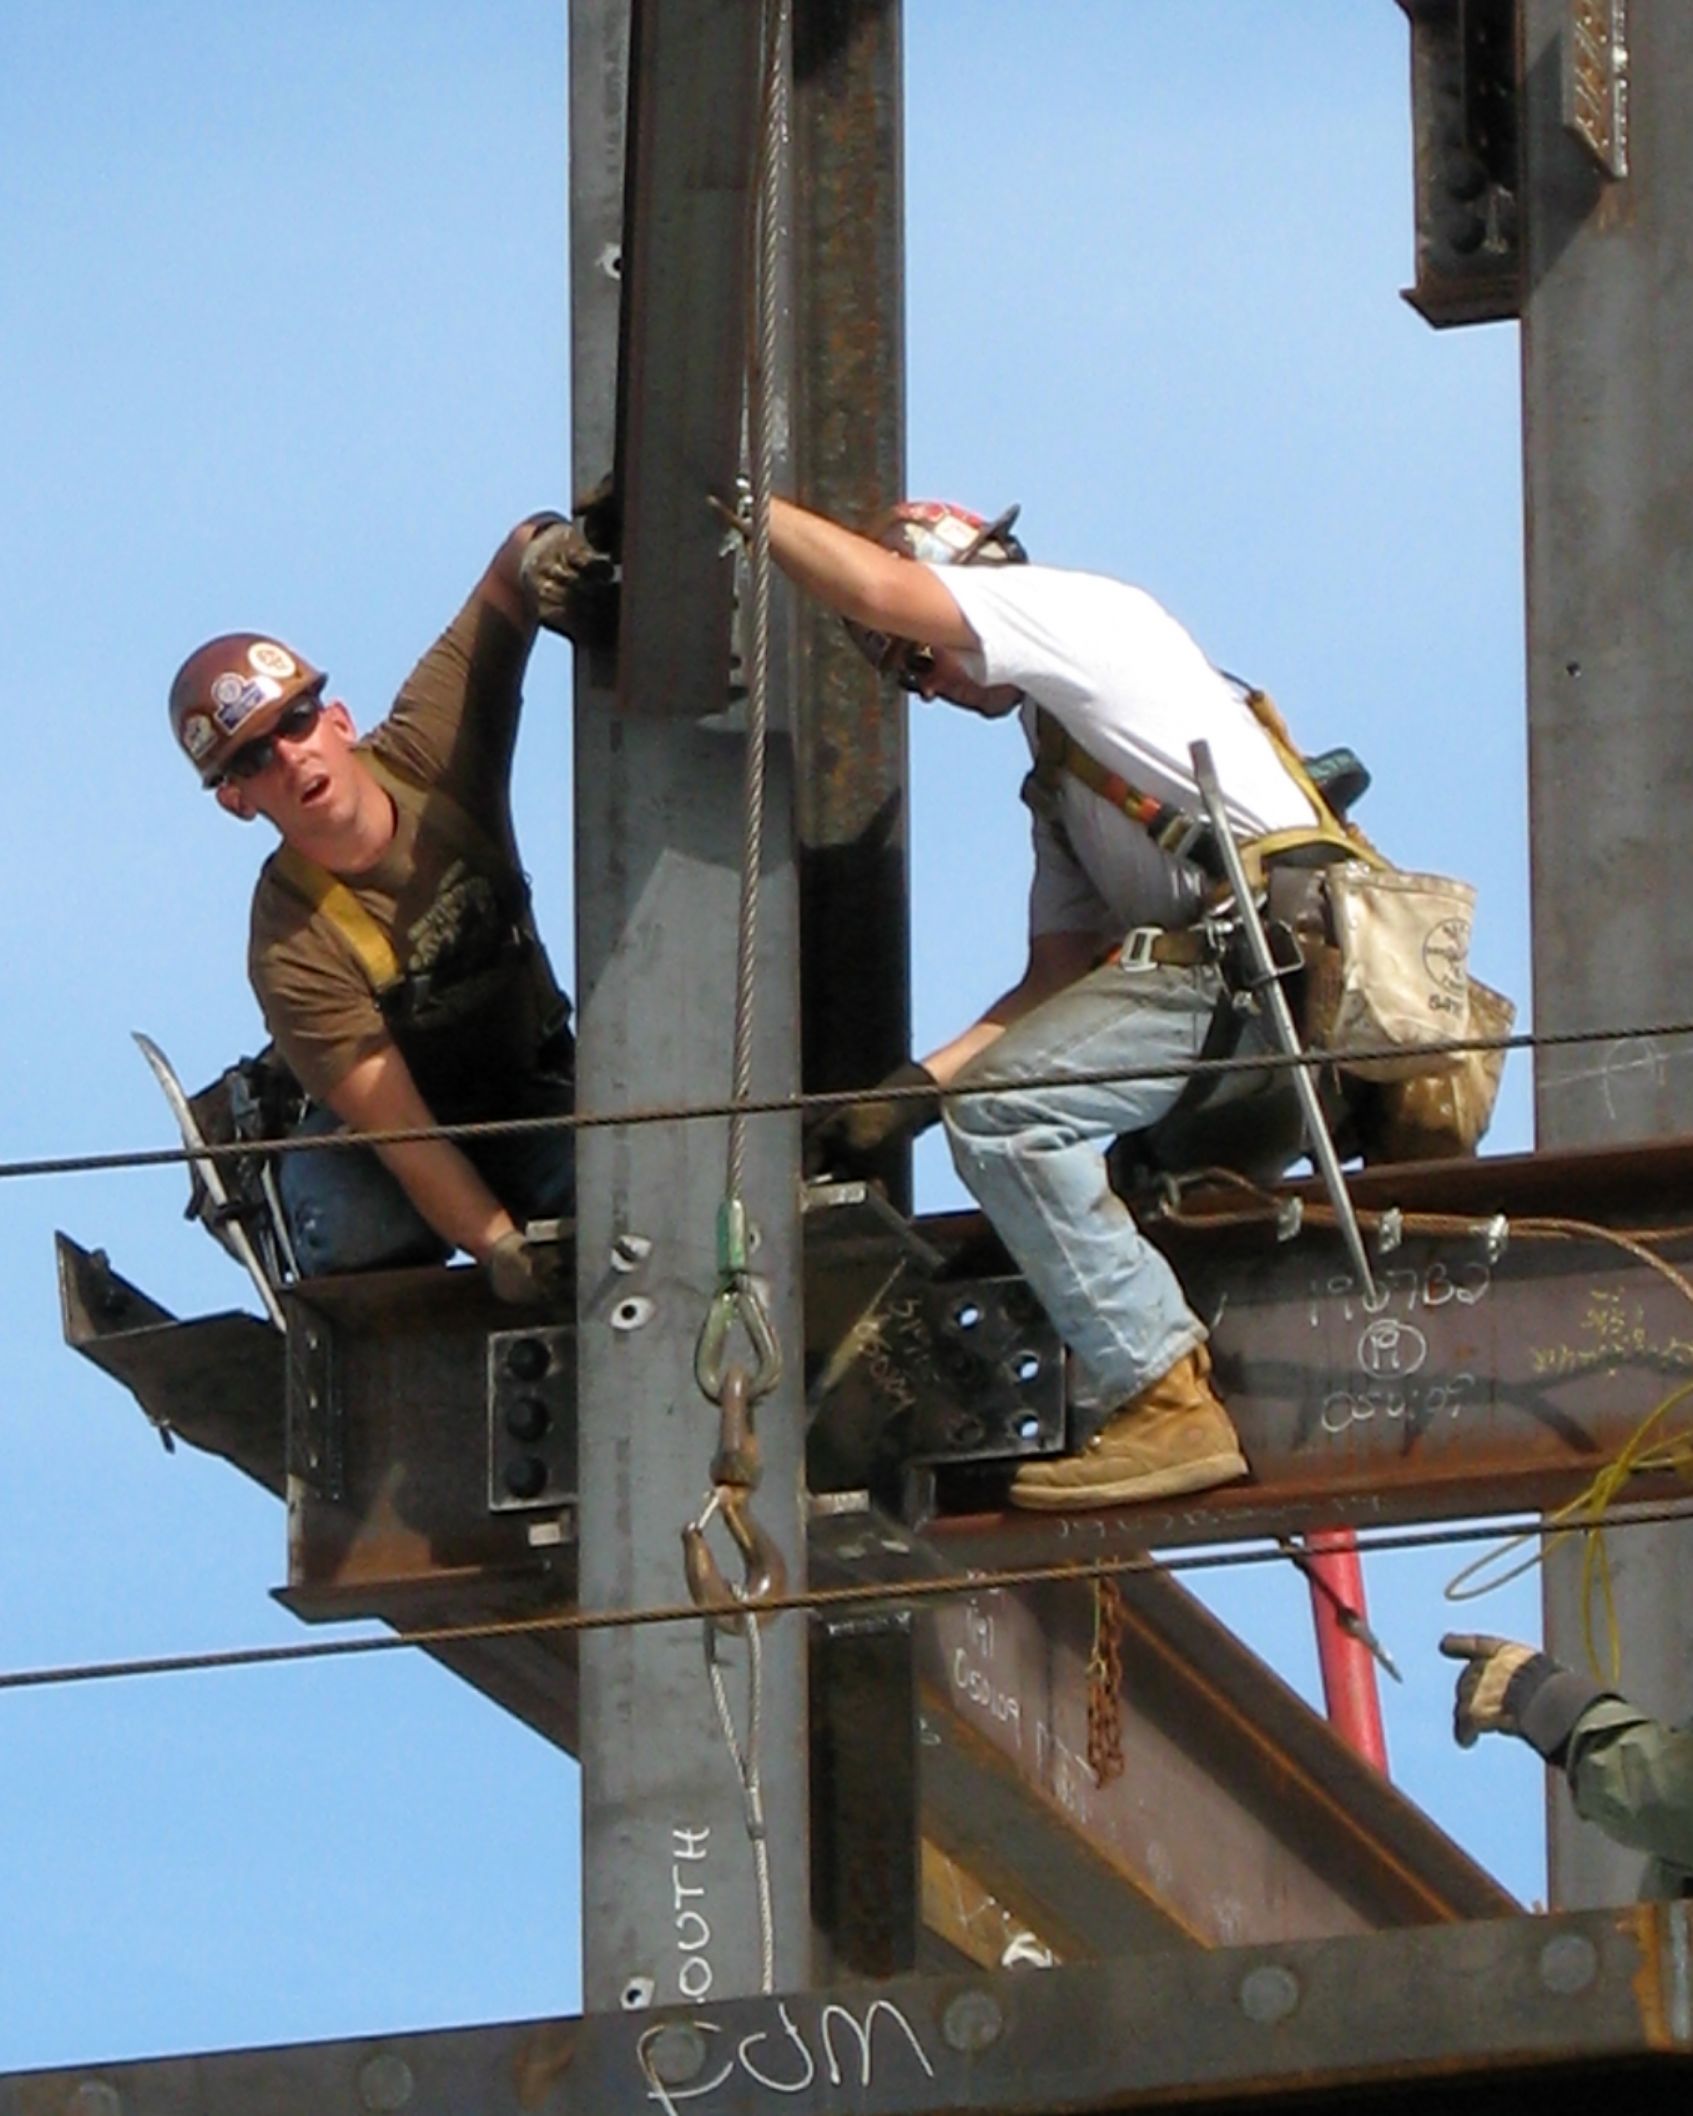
column 1438, row 1116
column 1392, row 974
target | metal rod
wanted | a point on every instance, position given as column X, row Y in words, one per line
column 1268, row 991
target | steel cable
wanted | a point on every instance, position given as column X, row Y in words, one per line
column 915, row 1588
column 786, row 1105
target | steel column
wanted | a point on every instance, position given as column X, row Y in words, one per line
column 1607, row 379
column 849, row 460
column 669, row 1898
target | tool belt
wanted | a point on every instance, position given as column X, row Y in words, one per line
column 1378, row 956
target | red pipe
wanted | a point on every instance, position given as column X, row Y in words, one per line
column 1350, row 1693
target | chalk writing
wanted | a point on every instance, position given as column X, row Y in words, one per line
column 1402, row 1292
column 689, row 1847
column 838, row 2029
column 1618, row 1336
column 1421, row 1404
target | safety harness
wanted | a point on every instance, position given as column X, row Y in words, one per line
column 329, row 897
column 1180, row 832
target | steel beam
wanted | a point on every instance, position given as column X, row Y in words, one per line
column 1544, row 2012
column 1607, row 379
column 849, row 461
column 1241, row 1815
column 670, row 1894
column 1016, row 1840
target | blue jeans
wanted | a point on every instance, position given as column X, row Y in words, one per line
column 1033, row 1158
column 345, row 1212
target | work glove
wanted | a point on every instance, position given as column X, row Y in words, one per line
column 1510, row 1689
column 569, row 585
column 527, row 1274
column 844, row 1140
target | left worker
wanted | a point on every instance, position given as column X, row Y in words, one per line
column 1628, row 1773
column 393, row 949
column 1122, row 979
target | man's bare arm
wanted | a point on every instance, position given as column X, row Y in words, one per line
column 855, row 578
column 379, row 1094
column 1055, row 960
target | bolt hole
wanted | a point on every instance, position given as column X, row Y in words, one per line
column 1026, row 1366
column 967, row 1314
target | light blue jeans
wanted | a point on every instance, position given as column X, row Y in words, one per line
column 1033, row 1158
column 345, row 1211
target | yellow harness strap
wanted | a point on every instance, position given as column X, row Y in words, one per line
column 1057, row 751
column 332, row 900
column 1346, row 838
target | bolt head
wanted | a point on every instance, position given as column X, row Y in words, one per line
column 1569, row 1963
column 676, row 2054
column 1269, row 1993
column 385, row 2082
column 972, row 2021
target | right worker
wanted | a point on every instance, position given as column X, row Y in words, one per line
column 1627, row 1772
column 1111, row 690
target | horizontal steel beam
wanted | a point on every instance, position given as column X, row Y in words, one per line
column 1251, row 1783
column 1477, row 1381
column 1240, row 1817
column 1435, row 2018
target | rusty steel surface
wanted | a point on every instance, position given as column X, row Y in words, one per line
column 1240, row 1814
column 1608, row 468
column 693, row 78
column 1551, row 2013
column 849, row 461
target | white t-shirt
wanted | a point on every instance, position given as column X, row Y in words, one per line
column 1129, row 684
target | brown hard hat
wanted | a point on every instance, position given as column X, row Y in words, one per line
column 232, row 690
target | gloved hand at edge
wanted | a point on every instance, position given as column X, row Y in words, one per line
column 840, row 1141
column 527, row 1274
column 570, row 586
column 1507, row 1688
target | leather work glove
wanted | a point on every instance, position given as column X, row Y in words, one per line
column 843, row 1141
column 527, row 1274
column 570, row 585
column 1510, row 1689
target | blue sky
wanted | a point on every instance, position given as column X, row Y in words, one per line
column 282, row 303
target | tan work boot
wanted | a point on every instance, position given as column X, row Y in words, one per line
column 1173, row 1437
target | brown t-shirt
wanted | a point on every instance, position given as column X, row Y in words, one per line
column 438, row 893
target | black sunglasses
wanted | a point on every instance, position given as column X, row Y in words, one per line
column 254, row 757
column 914, row 668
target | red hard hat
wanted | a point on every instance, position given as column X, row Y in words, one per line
column 232, row 690
column 938, row 534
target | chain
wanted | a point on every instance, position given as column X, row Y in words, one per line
column 1105, row 1684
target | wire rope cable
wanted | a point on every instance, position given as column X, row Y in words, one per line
column 919, row 1587
column 817, row 1100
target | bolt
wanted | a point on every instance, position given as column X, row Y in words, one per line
column 1568, row 1964
column 1269, row 1993
column 676, row 2054
column 528, row 1359
column 528, row 1418
column 95, row 2098
column 526, row 1477
column 385, row 2082
column 972, row 2021
column 630, row 1251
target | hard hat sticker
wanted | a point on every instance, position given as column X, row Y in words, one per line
column 237, row 697
column 271, row 660
column 198, row 735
